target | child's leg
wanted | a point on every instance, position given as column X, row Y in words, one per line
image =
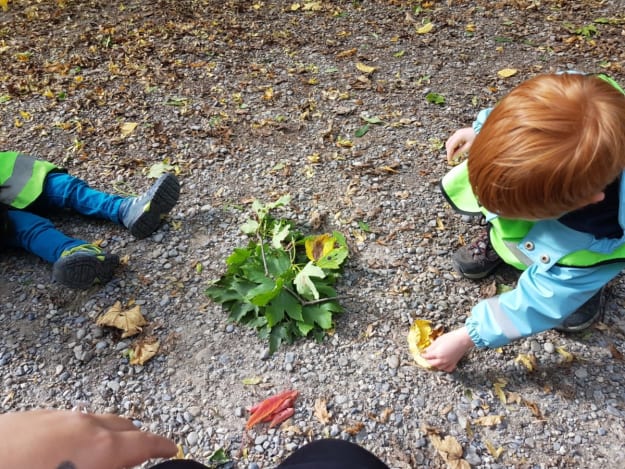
column 64, row 191
column 76, row 263
column 38, row 236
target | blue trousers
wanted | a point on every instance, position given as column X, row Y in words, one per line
column 61, row 191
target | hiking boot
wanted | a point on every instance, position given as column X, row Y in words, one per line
column 142, row 215
column 476, row 260
column 82, row 266
column 586, row 315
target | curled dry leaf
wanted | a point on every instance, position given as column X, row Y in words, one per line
column 420, row 336
column 448, row 448
column 143, row 350
column 507, row 72
column 321, row 411
column 528, row 361
column 130, row 321
column 488, row 420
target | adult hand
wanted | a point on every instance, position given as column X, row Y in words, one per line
column 447, row 350
column 56, row 439
column 459, row 143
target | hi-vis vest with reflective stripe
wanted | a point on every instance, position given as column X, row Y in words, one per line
column 507, row 235
column 22, row 178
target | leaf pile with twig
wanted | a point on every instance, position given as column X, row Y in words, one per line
column 282, row 283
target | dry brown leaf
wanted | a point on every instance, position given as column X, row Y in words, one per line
column 346, row 53
column 616, row 353
column 130, row 321
column 386, row 413
column 127, row 128
column 533, row 407
column 488, row 420
column 449, row 450
column 321, row 411
column 143, row 350
column 354, row 429
column 495, row 453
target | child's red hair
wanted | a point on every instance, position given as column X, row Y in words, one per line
column 549, row 146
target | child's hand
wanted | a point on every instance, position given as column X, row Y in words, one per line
column 48, row 438
column 459, row 143
column 446, row 351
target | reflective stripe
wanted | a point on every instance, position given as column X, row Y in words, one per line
column 502, row 320
column 22, row 173
column 520, row 255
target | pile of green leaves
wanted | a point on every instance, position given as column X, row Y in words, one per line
column 282, row 283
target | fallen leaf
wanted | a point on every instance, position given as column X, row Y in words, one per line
column 386, row 413
column 499, row 392
column 127, row 128
column 616, row 354
column 488, row 420
column 365, row 68
column 507, row 72
column 426, row 28
column 346, row 53
column 354, row 429
column 528, row 361
column 568, row 357
column 143, row 350
column 252, row 381
column 495, row 453
column 130, row 321
column 448, row 448
column 533, row 407
column 321, row 411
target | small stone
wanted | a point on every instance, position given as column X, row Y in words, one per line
column 192, row 438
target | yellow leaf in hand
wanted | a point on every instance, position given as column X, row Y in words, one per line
column 130, row 321
column 419, row 338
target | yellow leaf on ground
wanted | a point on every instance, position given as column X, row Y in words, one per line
column 4, row 4
column 143, row 350
column 365, row 68
column 568, row 357
column 127, row 128
column 448, row 448
column 295, row 6
column 312, row 6
column 495, row 453
column 129, row 321
column 488, row 420
column 499, row 392
column 321, row 411
column 426, row 28
column 507, row 72
column 528, row 361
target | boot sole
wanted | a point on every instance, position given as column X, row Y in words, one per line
column 82, row 270
column 165, row 197
column 475, row 275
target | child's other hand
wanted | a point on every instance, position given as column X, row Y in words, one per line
column 48, row 438
column 459, row 143
column 446, row 351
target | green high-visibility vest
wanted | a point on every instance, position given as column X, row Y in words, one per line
column 506, row 235
column 22, row 178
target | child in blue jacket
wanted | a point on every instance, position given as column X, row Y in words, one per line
column 545, row 168
column 30, row 187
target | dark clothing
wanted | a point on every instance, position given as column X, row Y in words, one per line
column 319, row 454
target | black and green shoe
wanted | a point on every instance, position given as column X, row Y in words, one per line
column 83, row 266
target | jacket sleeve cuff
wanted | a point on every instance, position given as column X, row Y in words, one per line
column 471, row 326
column 480, row 119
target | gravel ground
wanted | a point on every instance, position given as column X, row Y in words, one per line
column 194, row 75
